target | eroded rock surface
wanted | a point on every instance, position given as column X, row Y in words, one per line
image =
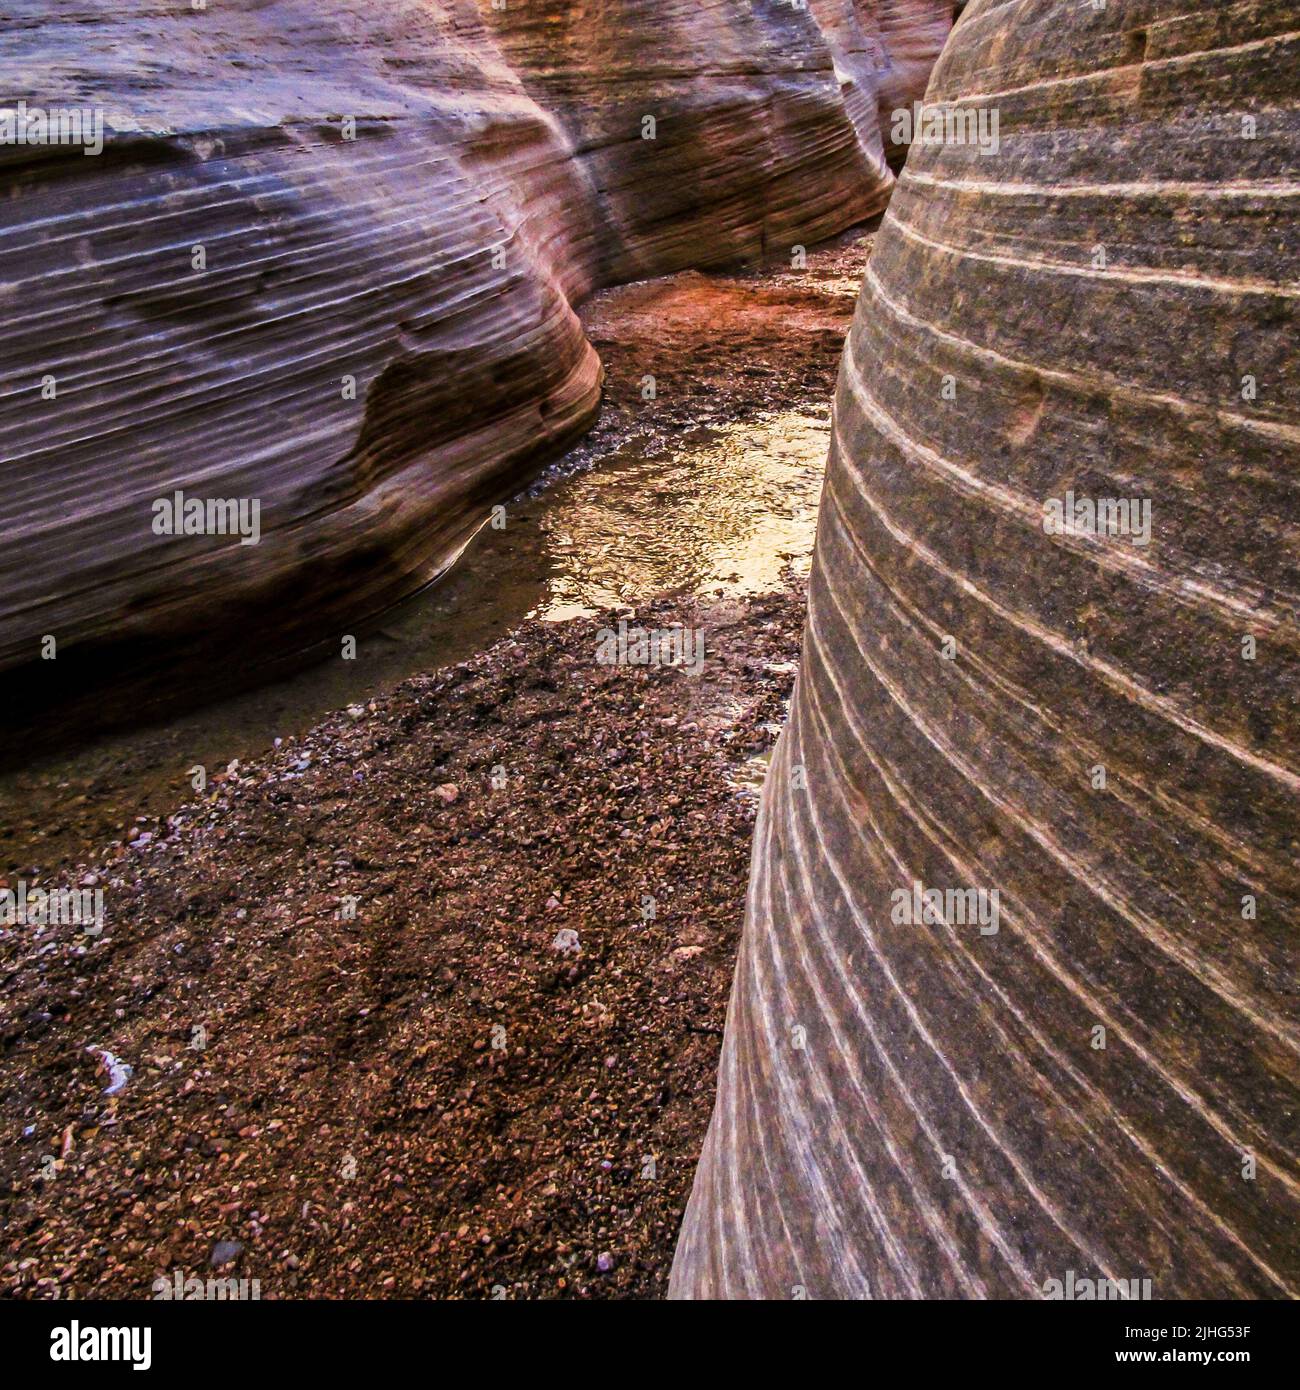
column 327, row 260
column 1098, row 1080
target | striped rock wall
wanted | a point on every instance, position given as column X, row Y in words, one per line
column 912, row 33
column 396, row 204
column 1104, row 731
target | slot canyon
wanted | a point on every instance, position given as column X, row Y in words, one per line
column 664, row 635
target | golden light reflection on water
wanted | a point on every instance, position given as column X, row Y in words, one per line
column 728, row 510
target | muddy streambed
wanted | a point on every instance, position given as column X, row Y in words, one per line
column 711, row 487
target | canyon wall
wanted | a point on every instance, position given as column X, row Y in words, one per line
column 1081, row 727
column 328, row 260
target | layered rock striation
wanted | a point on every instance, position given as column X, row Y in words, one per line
column 327, row 261
column 1052, row 673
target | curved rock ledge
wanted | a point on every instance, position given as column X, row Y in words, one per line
column 328, row 260
column 1107, row 1086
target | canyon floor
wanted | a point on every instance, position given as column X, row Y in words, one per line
column 423, row 998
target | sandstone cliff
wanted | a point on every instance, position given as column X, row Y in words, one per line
column 328, row 260
column 1094, row 1074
